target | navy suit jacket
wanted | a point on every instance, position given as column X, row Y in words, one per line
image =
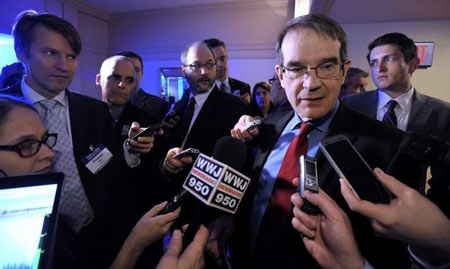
column 377, row 144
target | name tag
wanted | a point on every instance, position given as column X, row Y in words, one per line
column 97, row 159
column 125, row 129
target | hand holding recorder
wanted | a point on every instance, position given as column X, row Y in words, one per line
column 246, row 128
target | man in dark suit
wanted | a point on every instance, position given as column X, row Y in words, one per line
column 223, row 80
column 154, row 107
column 393, row 59
column 312, row 64
column 48, row 47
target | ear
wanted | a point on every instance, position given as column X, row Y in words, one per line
column 21, row 55
column 183, row 70
column 280, row 74
column 98, row 79
column 413, row 65
column 347, row 65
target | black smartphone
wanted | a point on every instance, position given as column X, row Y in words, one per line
column 175, row 203
column 349, row 164
column 309, row 180
column 152, row 129
column 188, row 152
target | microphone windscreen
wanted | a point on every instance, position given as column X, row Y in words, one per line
column 230, row 151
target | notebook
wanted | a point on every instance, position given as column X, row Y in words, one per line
column 28, row 210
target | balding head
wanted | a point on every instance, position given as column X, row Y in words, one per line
column 117, row 79
column 198, row 67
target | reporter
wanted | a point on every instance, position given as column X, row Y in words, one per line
column 150, row 228
column 25, row 144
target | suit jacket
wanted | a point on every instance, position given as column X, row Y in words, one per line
column 236, row 84
column 377, row 144
column 91, row 124
column 429, row 116
column 152, row 106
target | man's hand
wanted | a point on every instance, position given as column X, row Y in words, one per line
column 143, row 144
column 239, row 131
column 221, row 229
column 328, row 237
column 147, row 230
column 409, row 217
column 192, row 257
column 174, row 165
column 170, row 122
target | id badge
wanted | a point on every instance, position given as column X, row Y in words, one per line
column 97, row 159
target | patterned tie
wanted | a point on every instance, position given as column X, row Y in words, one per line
column 276, row 222
column 74, row 205
column 390, row 117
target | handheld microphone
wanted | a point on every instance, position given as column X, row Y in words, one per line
column 216, row 182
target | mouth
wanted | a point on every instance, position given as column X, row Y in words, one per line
column 311, row 99
column 59, row 76
column 44, row 170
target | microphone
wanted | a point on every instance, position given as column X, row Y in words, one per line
column 227, row 151
column 215, row 182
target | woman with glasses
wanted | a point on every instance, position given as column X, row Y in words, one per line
column 25, row 144
column 260, row 104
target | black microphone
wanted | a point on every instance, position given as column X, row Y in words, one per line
column 216, row 183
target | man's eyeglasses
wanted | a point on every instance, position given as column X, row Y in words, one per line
column 31, row 147
column 208, row 65
column 324, row 71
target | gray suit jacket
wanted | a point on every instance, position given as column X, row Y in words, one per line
column 429, row 116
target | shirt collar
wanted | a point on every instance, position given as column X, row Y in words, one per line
column 226, row 82
column 403, row 100
column 320, row 124
column 35, row 97
column 200, row 98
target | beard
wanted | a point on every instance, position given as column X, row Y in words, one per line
column 203, row 84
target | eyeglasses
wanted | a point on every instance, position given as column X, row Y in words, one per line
column 197, row 66
column 324, row 71
column 31, row 147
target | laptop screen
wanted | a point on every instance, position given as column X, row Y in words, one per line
column 27, row 219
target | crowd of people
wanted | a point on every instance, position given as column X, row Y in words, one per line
column 111, row 215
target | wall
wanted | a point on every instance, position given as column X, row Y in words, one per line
column 432, row 81
column 248, row 28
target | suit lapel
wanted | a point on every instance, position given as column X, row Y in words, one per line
column 419, row 117
column 204, row 117
column 78, row 125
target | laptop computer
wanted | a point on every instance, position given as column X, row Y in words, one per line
column 28, row 210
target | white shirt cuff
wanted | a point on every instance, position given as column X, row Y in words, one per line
column 132, row 159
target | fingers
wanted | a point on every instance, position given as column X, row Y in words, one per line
column 296, row 181
column 395, row 186
column 302, row 222
column 134, row 129
column 366, row 208
column 239, row 131
column 173, row 165
column 156, row 209
column 175, row 244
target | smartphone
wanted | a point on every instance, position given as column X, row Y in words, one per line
column 252, row 124
column 349, row 164
column 152, row 129
column 175, row 203
column 188, row 152
column 309, row 180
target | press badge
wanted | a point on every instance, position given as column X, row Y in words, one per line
column 97, row 159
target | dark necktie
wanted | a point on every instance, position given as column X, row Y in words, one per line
column 185, row 121
column 390, row 117
column 276, row 219
column 223, row 87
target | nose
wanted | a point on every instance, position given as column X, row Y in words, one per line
column 121, row 84
column 204, row 70
column 46, row 153
column 381, row 66
column 311, row 82
column 63, row 63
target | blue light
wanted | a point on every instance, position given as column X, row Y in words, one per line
column 7, row 54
